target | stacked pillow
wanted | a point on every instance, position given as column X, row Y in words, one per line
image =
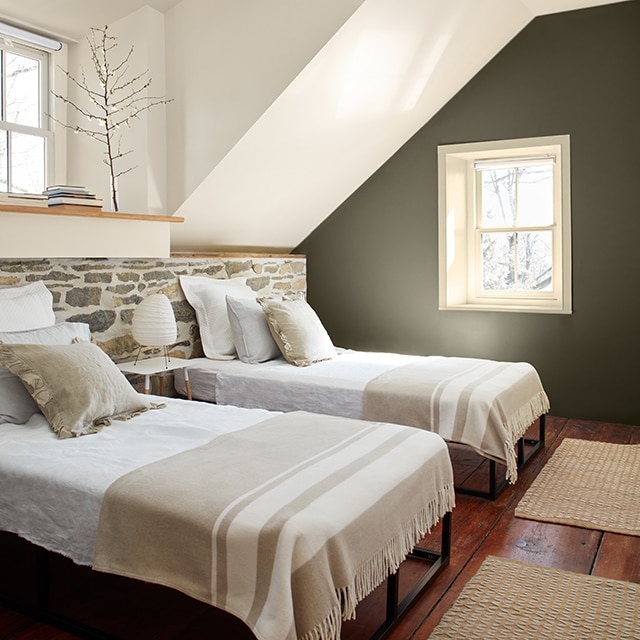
column 16, row 404
column 56, row 369
column 234, row 323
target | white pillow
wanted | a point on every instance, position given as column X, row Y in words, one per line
column 28, row 307
column 298, row 331
column 207, row 297
column 250, row 330
column 16, row 405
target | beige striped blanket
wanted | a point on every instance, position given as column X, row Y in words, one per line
column 286, row 524
column 485, row 404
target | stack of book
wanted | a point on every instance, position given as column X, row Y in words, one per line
column 23, row 199
column 71, row 196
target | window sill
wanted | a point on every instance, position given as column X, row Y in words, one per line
column 86, row 212
column 507, row 308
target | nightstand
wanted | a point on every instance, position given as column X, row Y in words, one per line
column 157, row 367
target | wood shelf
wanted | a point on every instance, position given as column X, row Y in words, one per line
column 86, row 212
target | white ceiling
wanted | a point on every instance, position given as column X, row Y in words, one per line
column 323, row 124
column 71, row 20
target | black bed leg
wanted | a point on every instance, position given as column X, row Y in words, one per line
column 394, row 609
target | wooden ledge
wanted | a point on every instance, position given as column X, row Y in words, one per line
column 86, row 212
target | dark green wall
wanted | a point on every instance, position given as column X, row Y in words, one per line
column 372, row 265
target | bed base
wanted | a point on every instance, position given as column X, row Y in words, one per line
column 395, row 609
column 523, row 457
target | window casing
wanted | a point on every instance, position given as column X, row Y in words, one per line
column 505, row 225
column 26, row 148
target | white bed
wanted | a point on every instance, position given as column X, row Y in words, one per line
column 54, row 491
column 284, row 520
column 276, row 354
column 485, row 404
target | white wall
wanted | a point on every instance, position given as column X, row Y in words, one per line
column 142, row 190
column 227, row 61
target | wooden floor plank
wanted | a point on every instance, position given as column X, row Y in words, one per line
column 480, row 528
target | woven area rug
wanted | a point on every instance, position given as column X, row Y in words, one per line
column 588, row 484
column 507, row 599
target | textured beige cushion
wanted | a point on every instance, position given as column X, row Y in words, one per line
column 77, row 387
column 298, row 331
column 16, row 405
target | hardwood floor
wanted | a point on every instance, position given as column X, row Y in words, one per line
column 480, row 528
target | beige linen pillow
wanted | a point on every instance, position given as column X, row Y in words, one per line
column 77, row 386
column 298, row 331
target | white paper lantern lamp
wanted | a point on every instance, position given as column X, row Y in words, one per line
column 154, row 324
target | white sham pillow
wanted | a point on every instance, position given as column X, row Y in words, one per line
column 16, row 404
column 250, row 330
column 207, row 297
column 27, row 307
column 296, row 328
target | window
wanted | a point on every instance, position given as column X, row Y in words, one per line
column 505, row 225
column 25, row 140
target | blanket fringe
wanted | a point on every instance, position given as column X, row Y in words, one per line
column 328, row 629
column 392, row 554
column 381, row 565
column 517, row 426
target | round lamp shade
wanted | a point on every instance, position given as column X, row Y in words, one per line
column 154, row 324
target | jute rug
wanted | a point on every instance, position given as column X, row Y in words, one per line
column 588, row 484
column 511, row 600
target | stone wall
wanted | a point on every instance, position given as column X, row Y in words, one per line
column 105, row 292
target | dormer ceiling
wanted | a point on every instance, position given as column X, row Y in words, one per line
column 383, row 74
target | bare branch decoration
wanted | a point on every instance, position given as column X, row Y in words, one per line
column 117, row 102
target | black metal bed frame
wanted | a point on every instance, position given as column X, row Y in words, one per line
column 395, row 609
column 494, row 488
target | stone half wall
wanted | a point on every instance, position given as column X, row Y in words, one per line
column 104, row 292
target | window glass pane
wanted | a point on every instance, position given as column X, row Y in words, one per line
column 4, row 164
column 1, row 92
column 498, row 261
column 22, row 90
column 534, row 261
column 498, row 198
column 535, row 196
column 27, row 163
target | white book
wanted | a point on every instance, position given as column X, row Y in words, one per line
column 83, row 202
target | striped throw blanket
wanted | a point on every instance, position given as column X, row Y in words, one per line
column 485, row 404
column 286, row 524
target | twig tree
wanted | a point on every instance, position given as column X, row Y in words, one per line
column 115, row 100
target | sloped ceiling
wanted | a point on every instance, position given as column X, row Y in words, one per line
column 382, row 76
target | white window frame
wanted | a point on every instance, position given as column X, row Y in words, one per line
column 43, row 131
column 458, row 196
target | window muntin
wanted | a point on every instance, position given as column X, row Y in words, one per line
column 24, row 139
column 504, row 225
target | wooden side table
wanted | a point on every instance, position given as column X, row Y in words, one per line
column 157, row 367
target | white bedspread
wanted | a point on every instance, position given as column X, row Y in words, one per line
column 322, row 492
column 51, row 489
column 338, row 387
column 334, row 386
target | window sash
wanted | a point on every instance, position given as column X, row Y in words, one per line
column 42, row 131
column 476, row 291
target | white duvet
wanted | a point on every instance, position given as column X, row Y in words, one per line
column 51, row 489
column 334, row 386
